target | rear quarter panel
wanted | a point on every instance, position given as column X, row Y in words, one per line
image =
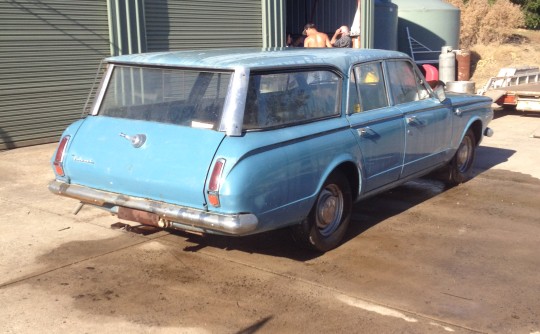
column 277, row 174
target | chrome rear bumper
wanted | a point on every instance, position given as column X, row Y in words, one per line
column 187, row 218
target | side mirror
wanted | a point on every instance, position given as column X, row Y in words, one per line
column 438, row 89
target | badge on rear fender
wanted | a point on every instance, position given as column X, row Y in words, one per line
column 86, row 161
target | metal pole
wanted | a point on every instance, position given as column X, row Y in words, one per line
column 367, row 23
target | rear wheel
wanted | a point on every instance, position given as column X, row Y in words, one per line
column 461, row 166
column 329, row 218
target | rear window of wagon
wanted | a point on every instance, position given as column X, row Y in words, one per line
column 174, row 96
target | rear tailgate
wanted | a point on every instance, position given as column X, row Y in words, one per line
column 171, row 165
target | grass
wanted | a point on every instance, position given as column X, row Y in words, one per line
column 522, row 48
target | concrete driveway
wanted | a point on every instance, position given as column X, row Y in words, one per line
column 418, row 259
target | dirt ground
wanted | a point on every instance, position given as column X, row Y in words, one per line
column 522, row 50
column 417, row 259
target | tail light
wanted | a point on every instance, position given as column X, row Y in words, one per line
column 215, row 182
column 510, row 99
column 507, row 99
column 59, row 157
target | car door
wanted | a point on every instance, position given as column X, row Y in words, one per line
column 428, row 122
column 378, row 127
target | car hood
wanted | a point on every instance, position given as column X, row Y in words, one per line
column 163, row 162
column 458, row 99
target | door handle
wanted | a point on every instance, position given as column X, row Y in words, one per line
column 363, row 132
column 367, row 132
column 413, row 120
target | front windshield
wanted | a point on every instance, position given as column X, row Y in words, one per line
column 174, row 96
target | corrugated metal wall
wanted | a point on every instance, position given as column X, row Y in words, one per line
column 50, row 49
column 49, row 53
column 187, row 24
column 127, row 29
column 273, row 16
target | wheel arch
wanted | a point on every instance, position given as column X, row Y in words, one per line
column 351, row 172
column 477, row 129
column 327, row 222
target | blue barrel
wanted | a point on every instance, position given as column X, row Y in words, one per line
column 386, row 25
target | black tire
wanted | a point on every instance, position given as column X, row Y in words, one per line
column 327, row 222
column 460, row 167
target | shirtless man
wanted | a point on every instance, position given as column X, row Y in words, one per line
column 315, row 39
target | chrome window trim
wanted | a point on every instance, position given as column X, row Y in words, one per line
column 102, row 89
column 235, row 102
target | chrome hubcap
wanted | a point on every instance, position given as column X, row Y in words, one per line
column 463, row 155
column 329, row 209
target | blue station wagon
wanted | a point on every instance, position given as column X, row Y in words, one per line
column 241, row 141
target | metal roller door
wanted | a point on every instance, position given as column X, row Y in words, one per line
column 50, row 51
column 187, row 24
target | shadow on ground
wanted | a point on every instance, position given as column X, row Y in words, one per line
column 488, row 157
column 157, row 284
column 366, row 214
column 507, row 111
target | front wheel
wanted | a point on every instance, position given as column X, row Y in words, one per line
column 461, row 166
column 327, row 222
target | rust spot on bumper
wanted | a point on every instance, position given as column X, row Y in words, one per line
column 142, row 217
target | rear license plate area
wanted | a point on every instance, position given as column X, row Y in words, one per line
column 142, row 217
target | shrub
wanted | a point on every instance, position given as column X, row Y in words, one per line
column 531, row 9
column 532, row 14
column 484, row 23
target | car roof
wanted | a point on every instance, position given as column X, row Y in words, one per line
column 258, row 58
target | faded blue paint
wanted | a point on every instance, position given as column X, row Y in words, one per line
column 382, row 145
column 274, row 174
column 170, row 166
column 256, row 58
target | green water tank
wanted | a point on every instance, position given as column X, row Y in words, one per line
column 431, row 24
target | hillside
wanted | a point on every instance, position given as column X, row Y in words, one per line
column 522, row 49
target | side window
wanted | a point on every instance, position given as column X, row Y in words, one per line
column 405, row 84
column 277, row 99
column 370, row 91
